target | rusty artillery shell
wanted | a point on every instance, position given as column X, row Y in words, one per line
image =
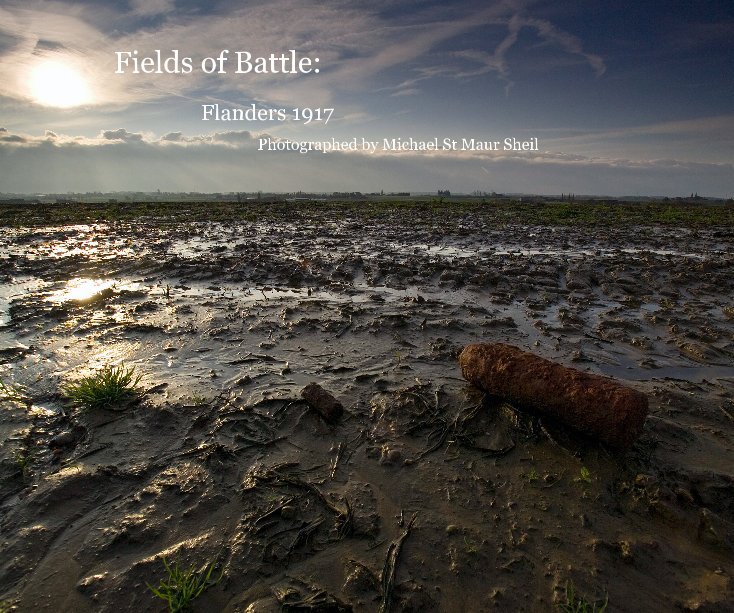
column 589, row 403
column 323, row 402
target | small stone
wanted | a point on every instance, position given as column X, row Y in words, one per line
column 683, row 495
column 360, row 580
column 91, row 582
column 625, row 548
column 714, row 531
column 68, row 438
column 643, row 480
column 390, row 455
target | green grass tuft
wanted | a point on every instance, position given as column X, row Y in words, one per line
column 109, row 386
column 183, row 586
column 576, row 603
column 584, row 476
column 470, row 546
column 199, row 401
column 23, row 461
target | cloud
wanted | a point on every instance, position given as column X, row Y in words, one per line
column 47, row 45
column 355, row 43
column 232, row 138
column 703, row 139
column 173, row 137
column 122, row 135
column 568, row 42
column 119, row 160
column 422, row 73
column 494, row 62
column 708, row 126
column 497, row 61
column 408, row 91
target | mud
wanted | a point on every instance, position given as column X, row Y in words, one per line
column 424, row 495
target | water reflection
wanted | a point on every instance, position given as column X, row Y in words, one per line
column 80, row 290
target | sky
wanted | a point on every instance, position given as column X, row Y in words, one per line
column 624, row 99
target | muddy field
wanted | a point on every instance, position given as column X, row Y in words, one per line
column 424, row 495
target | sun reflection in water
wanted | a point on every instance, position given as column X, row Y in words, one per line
column 80, row 290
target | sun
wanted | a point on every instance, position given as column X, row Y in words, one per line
column 54, row 83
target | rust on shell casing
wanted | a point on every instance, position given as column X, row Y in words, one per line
column 592, row 404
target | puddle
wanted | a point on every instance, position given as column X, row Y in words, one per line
column 15, row 289
column 79, row 290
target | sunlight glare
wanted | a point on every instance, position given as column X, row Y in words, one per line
column 80, row 290
column 54, row 83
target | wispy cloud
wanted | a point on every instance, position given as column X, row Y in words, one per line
column 497, row 61
column 353, row 42
column 701, row 139
column 568, row 42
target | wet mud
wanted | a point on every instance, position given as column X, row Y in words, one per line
column 423, row 494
